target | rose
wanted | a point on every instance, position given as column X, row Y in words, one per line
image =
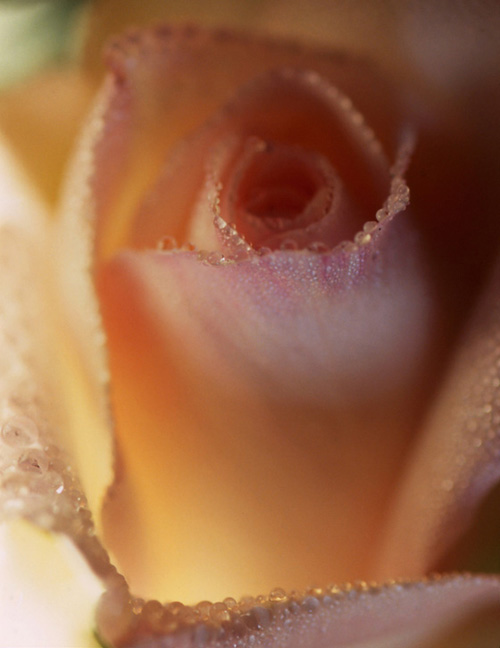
column 465, row 589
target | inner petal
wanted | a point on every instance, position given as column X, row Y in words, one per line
column 276, row 182
column 276, row 191
column 332, row 141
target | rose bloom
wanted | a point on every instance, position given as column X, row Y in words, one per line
column 254, row 353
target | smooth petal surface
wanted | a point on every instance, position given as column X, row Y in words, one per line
column 457, row 459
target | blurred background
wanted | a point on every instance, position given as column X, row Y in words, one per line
column 37, row 33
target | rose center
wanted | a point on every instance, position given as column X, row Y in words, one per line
column 277, row 192
column 277, row 184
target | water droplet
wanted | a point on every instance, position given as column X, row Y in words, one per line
column 370, row 226
column 310, row 604
column 246, row 603
column 204, row 607
column 167, row 243
column 362, row 238
column 137, row 605
column 114, row 614
column 152, row 612
column 175, row 607
column 33, row 461
column 219, row 613
column 289, row 244
column 215, row 258
column 19, row 431
column 317, row 246
column 277, row 595
column 230, row 603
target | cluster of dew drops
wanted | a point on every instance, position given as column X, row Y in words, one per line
column 36, row 478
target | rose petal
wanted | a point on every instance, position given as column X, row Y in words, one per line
column 267, row 377
column 270, row 108
column 157, row 73
column 131, row 142
column 39, row 412
column 457, row 460
column 459, row 612
column 37, row 479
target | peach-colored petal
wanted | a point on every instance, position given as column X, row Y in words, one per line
column 457, row 459
column 242, row 438
column 260, row 381
column 362, row 324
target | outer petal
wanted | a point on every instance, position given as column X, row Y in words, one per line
column 457, row 460
column 37, row 481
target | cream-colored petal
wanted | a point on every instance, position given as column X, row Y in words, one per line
column 47, row 591
column 40, row 408
column 42, row 378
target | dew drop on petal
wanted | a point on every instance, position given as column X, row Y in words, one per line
column 19, row 431
column 277, row 595
column 34, row 461
column 167, row 243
